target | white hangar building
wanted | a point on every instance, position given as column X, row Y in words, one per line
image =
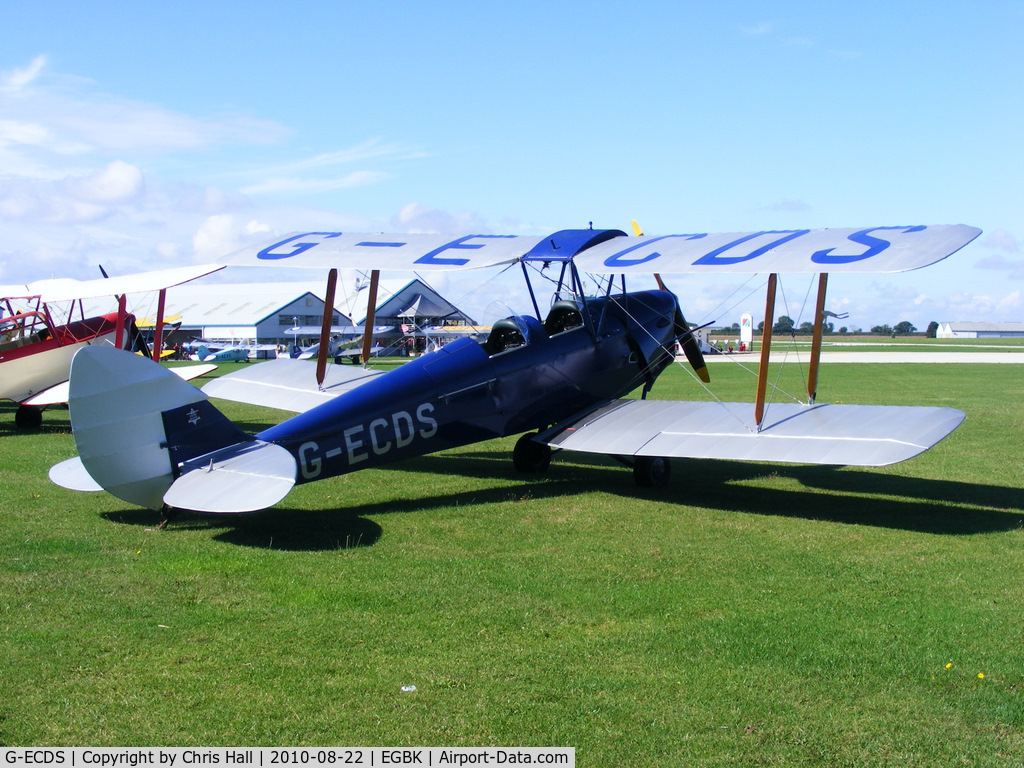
column 979, row 330
column 269, row 313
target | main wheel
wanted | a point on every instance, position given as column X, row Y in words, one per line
column 531, row 456
column 651, row 471
column 28, row 417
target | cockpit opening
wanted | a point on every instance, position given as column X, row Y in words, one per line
column 564, row 316
column 505, row 335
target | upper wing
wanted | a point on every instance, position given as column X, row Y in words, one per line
column 141, row 282
column 323, row 250
column 855, row 435
column 68, row 289
column 871, row 249
column 289, row 385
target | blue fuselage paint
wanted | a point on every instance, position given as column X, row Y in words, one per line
column 460, row 394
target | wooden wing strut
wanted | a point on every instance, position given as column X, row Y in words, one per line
column 766, row 346
column 371, row 308
column 325, row 328
column 819, row 319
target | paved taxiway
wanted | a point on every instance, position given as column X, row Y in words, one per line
column 829, row 356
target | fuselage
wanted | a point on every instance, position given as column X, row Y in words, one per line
column 467, row 392
column 28, row 365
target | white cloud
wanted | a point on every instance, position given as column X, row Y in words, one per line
column 117, row 182
column 1011, row 303
column 421, row 219
column 257, row 228
column 295, row 177
column 75, row 199
column 1013, row 267
column 1002, row 240
column 16, row 79
column 72, row 156
column 167, row 251
column 297, row 185
column 14, row 132
column 367, row 150
column 58, row 115
column 222, row 234
column 215, row 237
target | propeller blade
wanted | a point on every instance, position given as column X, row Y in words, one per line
column 691, row 348
column 686, row 338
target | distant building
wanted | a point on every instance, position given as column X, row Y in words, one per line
column 980, row 330
column 280, row 313
column 412, row 311
column 241, row 312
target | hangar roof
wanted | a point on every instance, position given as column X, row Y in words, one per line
column 248, row 304
column 981, row 327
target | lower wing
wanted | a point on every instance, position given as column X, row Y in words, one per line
column 286, row 384
column 855, row 435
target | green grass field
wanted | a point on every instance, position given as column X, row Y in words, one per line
column 745, row 615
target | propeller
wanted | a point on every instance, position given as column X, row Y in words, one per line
column 682, row 329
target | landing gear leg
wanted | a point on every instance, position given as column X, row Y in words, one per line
column 651, row 471
column 166, row 515
column 531, row 456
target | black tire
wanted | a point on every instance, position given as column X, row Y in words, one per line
column 652, row 471
column 531, row 456
column 28, row 417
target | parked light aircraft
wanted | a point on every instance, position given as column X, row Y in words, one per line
column 40, row 332
column 561, row 377
column 225, row 355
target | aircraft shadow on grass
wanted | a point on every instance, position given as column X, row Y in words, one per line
column 850, row 496
column 842, row 495
column 283, row 528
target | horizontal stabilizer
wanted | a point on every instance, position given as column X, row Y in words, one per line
column 72, row 474
column 855, row 435
column 289, row 385
column 240, row 478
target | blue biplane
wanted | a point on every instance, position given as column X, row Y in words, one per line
column 560, row 376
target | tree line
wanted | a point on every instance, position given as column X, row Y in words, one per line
column 787, row 325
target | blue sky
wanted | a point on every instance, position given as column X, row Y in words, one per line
column 137, row 135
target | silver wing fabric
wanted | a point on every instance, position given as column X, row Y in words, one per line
column 288, row 385
column 863, row 249
column 855, row 435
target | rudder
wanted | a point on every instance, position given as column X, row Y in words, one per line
column 134, row 422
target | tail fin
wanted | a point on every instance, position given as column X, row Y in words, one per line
column 139, row 428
